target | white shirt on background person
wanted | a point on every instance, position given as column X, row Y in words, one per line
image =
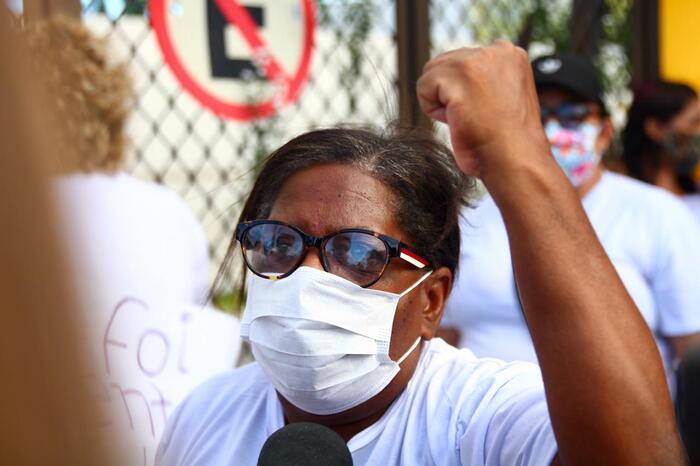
column 649, row 235
column 693, row 203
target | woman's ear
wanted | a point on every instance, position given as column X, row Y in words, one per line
column 655, row 130
column 437, row 288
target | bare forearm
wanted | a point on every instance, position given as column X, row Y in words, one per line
column 605, row 384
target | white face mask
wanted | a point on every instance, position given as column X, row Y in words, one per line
column 322, row 340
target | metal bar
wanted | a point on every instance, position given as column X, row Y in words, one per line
column 413, row 41
column 586, row 26
column 645, row 43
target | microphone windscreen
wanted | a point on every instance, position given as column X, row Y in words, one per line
column 304, row 444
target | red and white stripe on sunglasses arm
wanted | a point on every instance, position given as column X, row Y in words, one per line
column 412, row 258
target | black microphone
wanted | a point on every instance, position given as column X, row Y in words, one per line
column 304, row 444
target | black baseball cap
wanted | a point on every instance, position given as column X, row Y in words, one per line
column 569, row 72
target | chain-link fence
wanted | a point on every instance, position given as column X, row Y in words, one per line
column 211, row 160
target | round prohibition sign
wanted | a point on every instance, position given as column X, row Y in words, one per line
column 288, row 85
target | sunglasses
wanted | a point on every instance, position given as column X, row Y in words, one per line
column 569, row 115
column 274, row 250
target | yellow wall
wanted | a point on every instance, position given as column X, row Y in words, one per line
column 679, row 41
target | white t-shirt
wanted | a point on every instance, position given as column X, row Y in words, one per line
column 693, row 203
column 649, row 235
column 132, row 238
column 456, row 410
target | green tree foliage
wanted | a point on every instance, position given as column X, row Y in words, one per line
column 351, row 23
column 598, row 29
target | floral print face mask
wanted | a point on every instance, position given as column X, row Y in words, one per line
column 574, row 149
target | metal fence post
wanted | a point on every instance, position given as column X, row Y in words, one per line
column 645, row 43
column 413, row 41
column 586, row 26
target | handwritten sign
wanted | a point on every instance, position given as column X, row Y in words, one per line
column 151, row 357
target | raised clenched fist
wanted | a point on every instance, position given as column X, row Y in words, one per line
column 487, row 97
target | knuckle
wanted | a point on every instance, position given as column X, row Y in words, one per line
column 465, row 67
column 522, row 55
column 483, row 52
column 504, row 43
column 430, row 64
column 425, row 86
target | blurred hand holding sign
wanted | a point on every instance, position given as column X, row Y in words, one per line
column 152, row 356
column 241, row 62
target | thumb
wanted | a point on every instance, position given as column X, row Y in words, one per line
column 463, row 152
column 464, row 155
column 438, row 114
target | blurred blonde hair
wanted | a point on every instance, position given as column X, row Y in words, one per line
column 92, row 96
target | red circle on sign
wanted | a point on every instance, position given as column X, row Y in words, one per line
column 157, row 12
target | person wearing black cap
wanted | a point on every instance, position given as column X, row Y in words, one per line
column 574, row 116
column 649, row 235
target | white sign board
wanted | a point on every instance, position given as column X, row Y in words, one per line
column 151, row 357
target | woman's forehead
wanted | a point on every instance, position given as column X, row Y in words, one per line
column 327, row 198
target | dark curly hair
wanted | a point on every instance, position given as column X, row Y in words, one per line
column 429, row 189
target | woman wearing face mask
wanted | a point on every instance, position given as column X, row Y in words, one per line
column 662, row 139
column 352, row 240
column 649, row 236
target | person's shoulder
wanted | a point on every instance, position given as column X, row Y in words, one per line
column 633, row 190
column 481, row 402
column 150, row 195
column 444, row 357
column 480, row 213
column 482, row 203
column 156, row 191
column 240, row 381
column 692, row 201
column 119, row 183
column 83, row 181
column 463, row 378
column 225, row 392
column 236, row 401
column 632, row 194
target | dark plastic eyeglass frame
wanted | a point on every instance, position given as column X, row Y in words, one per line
column 581, row 110
column 394, row 247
